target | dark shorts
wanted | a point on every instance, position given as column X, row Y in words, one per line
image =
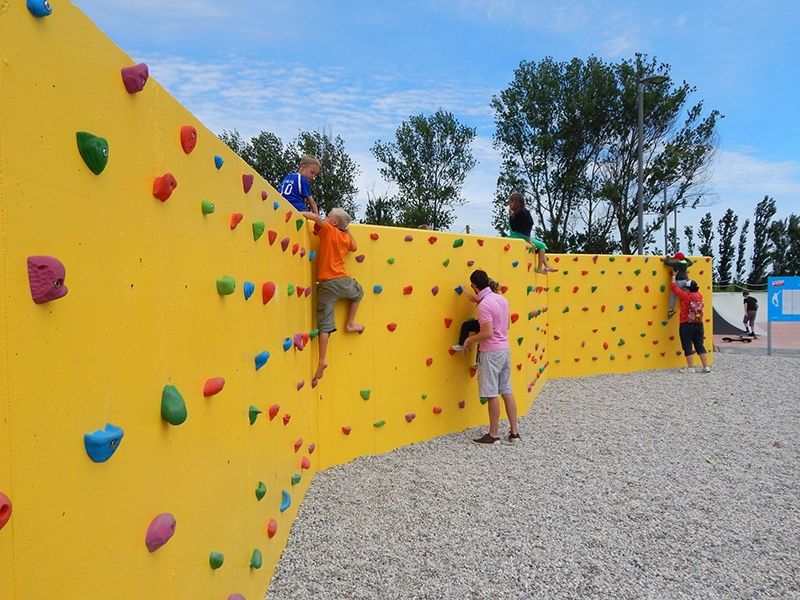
column 692, row 336
column 328, row 292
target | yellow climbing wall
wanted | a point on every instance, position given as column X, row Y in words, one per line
column 143, row 312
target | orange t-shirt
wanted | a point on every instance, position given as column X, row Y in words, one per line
column 334, row 244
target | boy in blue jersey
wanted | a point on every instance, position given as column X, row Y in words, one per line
column 296, row 187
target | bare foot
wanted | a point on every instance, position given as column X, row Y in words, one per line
column 552, row 269
column 542, row 271
column 354, row 328
column 320, row 370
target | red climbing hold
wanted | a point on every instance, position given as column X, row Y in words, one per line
column 391, row 326
column 432, row 239
column 629, row 287
column 284, row 244
column 429, row 361
column 584, row 272
column 462, row 404
column 408, row 289
column 437, row 410
column 5, row 509
column 188, row 138
column 163, row 186
column 575, row 289
column 373, row 236
column 450, row 351
column 298, row 444
column 514, row 317
column 272, row 235
column 287, row 216
column 480, row 242
column 503, row 289
column 247, row 182
column 272, row 528
column 236, row 218
column 286, row 418
column 295, row 248
column 273, row 411
column 311, row 448
column 267, row 291
column 507, row 247
column 305, row 463
column 347, row 429
column 213, row 386
column 447, row 322
column 300, row 290
column 264, row 194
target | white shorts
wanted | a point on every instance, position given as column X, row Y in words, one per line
column 494, row 373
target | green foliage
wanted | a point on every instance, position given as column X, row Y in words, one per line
column 785, row 239
column 760, row 259
column 727, row 231
column 381, row 210
column 567, row 134
column 265, row 153
column 428, row 162
column 688, row 233
column 705, row 236
column 741, row 251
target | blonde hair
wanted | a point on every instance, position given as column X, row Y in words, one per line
column 307, row 160
column 341, row 216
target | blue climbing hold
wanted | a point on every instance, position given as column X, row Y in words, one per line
column 40, row 8
column 102, row 444
column 286, row 500
column 287, row 343
column 275, row 205
column 459, row 290
column 377, row 289
column 248, row 288
column 311, row 255
column 261, row 359
column 218, row 160
column 515, row 264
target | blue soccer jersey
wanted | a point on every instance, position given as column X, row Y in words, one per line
column 296, row 188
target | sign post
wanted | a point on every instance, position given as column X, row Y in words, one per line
column 783, row 303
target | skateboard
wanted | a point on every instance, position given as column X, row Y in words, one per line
column 745, row 339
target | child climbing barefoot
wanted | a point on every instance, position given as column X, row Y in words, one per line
column 520, row 226
column 679, row 265
column 333, row 283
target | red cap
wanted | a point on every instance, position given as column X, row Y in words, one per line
column 680, row 255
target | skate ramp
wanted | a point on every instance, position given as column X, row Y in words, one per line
column 729, row 312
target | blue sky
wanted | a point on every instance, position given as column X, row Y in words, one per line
column 360, row 68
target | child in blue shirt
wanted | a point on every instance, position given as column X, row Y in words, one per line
column 296, row 187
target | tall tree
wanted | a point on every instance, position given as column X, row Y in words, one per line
column 265, row 153
column 705, row 236
column 428, row 161
column 793, row 251
column 741, row 251
column 760, row 259
column 335, row 185
column 568, row 134
column 779, row 246
column 726, row 228
column 380, row 210
column 688, row 232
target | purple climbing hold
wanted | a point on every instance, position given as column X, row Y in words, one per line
column 46, row 278
column 134, row 78
column 161, row 529
column 247, row 182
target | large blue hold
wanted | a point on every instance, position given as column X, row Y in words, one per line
column 287, row 343
column 286, row 500
column 218, row 160
column 102, row 444
column 248, row 288
column 261, row 359
column 40, row 8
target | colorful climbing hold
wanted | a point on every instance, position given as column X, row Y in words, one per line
column 390, row 260
column 447, row 322
column 261, row 359
column 391, row 326
column 365, row 394
column 515, row 263
column 360, row 258
column 408, row 289
column 290, row 289
column 379, row 423
column 458, row 243
column 213, row 386
column 134, row 78
column 236, row 218
column 286, row 418
column 305, row 463
column 311, row 448
column 284, row 244
column 410, row 417
column 514, row 317
column 163, row 186
column 459, row 290
column 428, row 361
column 206, row 207
column 300, row 384
column 247, row 182
column 261, row 490
column 256, row 560
column 160, row 531
column 432, row 239
column 40, row 8
column 215, row 559
column 93, row 150
column 173, row 407
column 46, row 278
column 377, row 288
column 6, row 508
column 295, row 478
column 188, row 138
column 287, row 343
column 218, row 161
column 102, row 444
column 258, row 229
column 225, row 285
column 267, row 291
column 252, row 413
column 272, row 528
column 274, row 410
column 446, row 262
column 408, row 238
column 286, row 500
column 437, row 410
column 298, row 224
column 248, row 287
column 295, row 248
column 435, row 290
column 346, row 429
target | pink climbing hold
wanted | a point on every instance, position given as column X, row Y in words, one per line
column 298, row 339
column 307, row 292
column 267, row 291
column 134, row 78
column 264, row 194
column 274, row 410
column 408, row 238
column 188, row 138
column 164, row 186
column 236, row 597
column 46, row 278
column 272, row 528
column 435, row 290
column 298, row 443
column 247, row 182
column 161, row 529
column 236, row 218
column 284, row 244
column 272, row 235
column 305, row 463
column 5, row 509
column 311, row 448
column 213, row 386
column 360, row 258
column 410, row 417
column 300, row 384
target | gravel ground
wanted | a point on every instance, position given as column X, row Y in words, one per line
column 648, row 485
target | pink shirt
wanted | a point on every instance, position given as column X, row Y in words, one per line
column 493, row 308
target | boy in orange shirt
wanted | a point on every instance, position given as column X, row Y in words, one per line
column 333, row 283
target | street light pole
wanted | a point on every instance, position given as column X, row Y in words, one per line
column 640, row 83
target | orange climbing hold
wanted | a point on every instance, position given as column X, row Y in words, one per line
column 287, row 216
column 274, row 410
column 437, row 410
column 236, row 218
column 373, row 236
column 305, row 463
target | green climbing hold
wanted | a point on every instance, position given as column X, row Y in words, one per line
column 253, row 413
column 611, row 259
column 446, row 262
column 424, row 396
column 365, row 394
column 558, row 361
column 173, row 408
column 643, row 334
column 215, row 559
column 637, row 306
column 621, row 342
column 390, row 260
column 653, row 273
column 613, row 328
column 256, row 559
column 662, row 288
column 541, row 369
column 594, row 289
column 612, row 357
column 565, row 272
column 484, row 399
column 557, row 288
column 261, row 490
column 295, row 478
column 529, row 289
column 519, row 341
column 299, row 223
column 603, row 272
column 313, row 333
column 566, row 309
column 637, row 272
column 290, row 289
column 458, row 243
column 379, row 423
column 647, row 355
column 258, row 229
column 207, row 206
column 225, row 285
column 94, row 151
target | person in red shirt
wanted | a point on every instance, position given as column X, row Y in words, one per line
column 691, row 327
column 333, row 282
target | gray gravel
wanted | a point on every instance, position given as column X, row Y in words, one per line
column 648, row 485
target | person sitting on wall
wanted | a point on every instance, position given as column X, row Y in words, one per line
column 520, row 225
column 296, row 187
